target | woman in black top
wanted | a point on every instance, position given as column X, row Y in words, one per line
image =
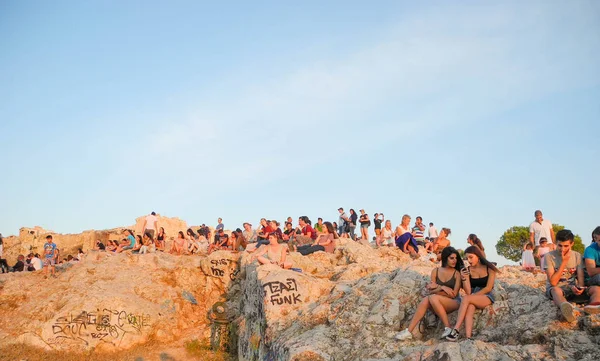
column 377, row 222
column 365, row 222
column 478, row 283
column 441, row 292
column 352, row 225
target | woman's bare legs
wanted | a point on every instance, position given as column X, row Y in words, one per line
column 442, row 306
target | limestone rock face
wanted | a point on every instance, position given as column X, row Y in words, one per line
column 113, row 301
column 342, row 306
column 33, row 239
column 367, row 295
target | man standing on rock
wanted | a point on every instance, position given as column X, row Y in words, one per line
column 342, row 223
column 150, row 224
column 220, row 225
column 564, row 271
column 49, row 256
column 539, row 228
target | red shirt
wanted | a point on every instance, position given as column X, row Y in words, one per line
column 308, row 229
column 266, row 230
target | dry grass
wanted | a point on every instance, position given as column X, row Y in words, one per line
column 201, row 350
column 194, row 351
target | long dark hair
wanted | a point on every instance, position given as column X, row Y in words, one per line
column 330, row 229
column 476, row 241
column 476, row 251
column 447, row 252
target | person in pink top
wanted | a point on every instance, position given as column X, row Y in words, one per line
column 325, row 241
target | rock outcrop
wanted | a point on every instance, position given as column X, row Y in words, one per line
column 341, row 306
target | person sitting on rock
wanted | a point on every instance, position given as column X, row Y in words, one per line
column 478, row 283
column 288, row 234
column 565, row 278
column 192, row 238
column 386, row 236
column 441, row 242
column 273, row 253
column 307, row 234
column 275, row 227
column 113, row 245
column 147, row 243
column 473, row 240
column 263, row 233
column 139, row 242
column 160, row 239
column 325, row 241
column 127, row 243
column 249, row 234
column 178, row 245
column 238, row 242
column 404, row 238
column 198, row 244
column 442, row 293
column 591, row 259
column 220, row 243
column 20, row 265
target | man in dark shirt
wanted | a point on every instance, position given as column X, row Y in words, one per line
column 20, row 265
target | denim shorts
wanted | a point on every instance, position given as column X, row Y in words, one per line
column 366, row 225
column 593, row 281
column 477, row 289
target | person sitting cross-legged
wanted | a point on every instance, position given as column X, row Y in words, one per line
column 442, row 293
column 273, row 253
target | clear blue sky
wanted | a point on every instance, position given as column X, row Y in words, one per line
column 472, row 115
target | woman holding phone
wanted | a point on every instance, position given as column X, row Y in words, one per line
column 442, row 293
column 478, row 283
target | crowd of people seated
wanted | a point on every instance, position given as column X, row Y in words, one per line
column 461, row 283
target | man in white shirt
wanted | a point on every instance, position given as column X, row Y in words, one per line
column 541, row 228
column 150, row 224
column 36, row 263
column 432, row 232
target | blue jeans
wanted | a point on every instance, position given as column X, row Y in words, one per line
column 352, row 228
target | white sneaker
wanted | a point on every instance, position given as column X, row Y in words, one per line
column 404, row 335
column 447, row 331
column 567, row 311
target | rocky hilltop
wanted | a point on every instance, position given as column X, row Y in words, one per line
column 342, row 306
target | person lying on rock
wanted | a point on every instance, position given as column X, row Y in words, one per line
column 325, row 241
column 273, row 253
column 565, row 278
column 478, row 283
column 404, row 238
column 591, row 259
column 442, row 293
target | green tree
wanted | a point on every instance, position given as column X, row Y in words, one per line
column 510, row 244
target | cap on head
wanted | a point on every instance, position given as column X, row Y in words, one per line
column 153, row 213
